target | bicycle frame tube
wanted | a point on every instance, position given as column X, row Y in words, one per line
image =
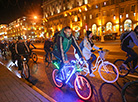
column 98, row 60
column 74, row 70
column 78, row 82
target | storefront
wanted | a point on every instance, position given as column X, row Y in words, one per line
column 109, row 26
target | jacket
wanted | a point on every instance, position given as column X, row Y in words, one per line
column 63, row 44
column 87, row 48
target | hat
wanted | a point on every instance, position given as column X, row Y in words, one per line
column 19, row 38
column 88, row 32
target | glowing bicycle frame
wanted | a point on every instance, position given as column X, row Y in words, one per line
column 81, row 83
column 99, row 64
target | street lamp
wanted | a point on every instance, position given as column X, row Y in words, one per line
column 35, row 17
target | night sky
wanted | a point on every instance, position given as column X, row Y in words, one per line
column 10, row 10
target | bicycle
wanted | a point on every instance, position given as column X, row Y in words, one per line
column 130, row 90
column 107, row 71
column 25, row 72
column 82, row 85
column 33, row 56
column 123, row 71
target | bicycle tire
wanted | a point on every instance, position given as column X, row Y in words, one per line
column 34, row 57
column 81, row 91
column 127, row 85
column 122, row 71
column 109, row 69
column 25, row 71
column 58, row 84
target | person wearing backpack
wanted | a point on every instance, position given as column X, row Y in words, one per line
column 86, row 46
column 127, row 43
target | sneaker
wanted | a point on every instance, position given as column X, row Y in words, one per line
column 125, row 66
column 70, row 85
column 92, row 75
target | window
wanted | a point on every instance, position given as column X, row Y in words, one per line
column 133, row 8
column 104, row 13
column 90, row 16
column 97, row 15
column 112, row 2
column 63, row 1
column 121, row 10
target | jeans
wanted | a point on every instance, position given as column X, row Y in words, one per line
column 133, row 56
column 90, row 62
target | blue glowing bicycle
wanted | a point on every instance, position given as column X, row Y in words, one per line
column 71, row 71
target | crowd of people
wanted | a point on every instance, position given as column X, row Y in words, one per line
column 62, row 41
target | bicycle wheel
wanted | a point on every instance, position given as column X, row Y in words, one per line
column 129, row 92
column 34, row 57
column 56, row 81
column 122, row 70
column 108, row 72
column 83, row 87
column 25, row 71
column 46, row 61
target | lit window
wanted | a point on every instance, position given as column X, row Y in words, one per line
column 120, row 16
column 126, row 15
column 104, row 3
column 114, row 17
column 84, row 17
column 96, row 6
column 86, row 1
column 134, row 14
column 90, row 16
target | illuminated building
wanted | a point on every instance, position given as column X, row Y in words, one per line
column 99, row 16
column 26, row 27
column 3, row 31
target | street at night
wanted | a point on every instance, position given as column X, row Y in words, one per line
column 90, row 46
column 41, row 77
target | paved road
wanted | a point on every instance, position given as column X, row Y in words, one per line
column 103, row 92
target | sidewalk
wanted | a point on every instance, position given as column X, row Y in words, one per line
column 12, row 89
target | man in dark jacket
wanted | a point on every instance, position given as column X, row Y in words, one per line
column 127, row 44
column 12, row 49
column 21, row 49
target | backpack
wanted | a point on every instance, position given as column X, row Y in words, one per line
column 81, row 45
column 124, row 36
column 56, row 36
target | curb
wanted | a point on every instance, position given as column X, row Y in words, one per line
column 33, row 87
column 38, row 90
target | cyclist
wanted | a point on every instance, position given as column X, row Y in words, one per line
column 87, row 50
column 28, row 42
column 12, row 49
column 127, row 45
column 48, row 45
column 64, row 40
column 21, row 49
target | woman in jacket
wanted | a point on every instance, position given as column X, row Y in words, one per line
column 87, row 50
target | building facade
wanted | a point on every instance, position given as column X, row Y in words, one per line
column 26, row 27
column 3, row 31
column 99, row 16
